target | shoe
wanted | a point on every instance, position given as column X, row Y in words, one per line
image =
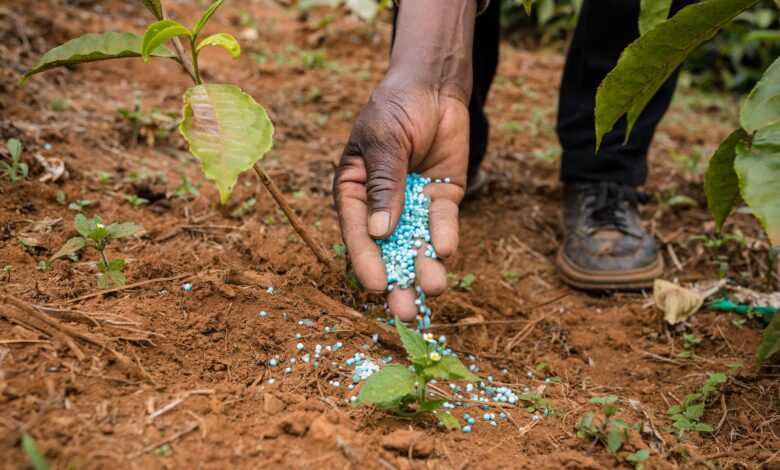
column 605, row 246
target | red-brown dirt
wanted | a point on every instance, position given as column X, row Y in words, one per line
column 188, row 385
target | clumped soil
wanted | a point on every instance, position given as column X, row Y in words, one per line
column 154, row 376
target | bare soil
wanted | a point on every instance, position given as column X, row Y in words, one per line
column 154, row 376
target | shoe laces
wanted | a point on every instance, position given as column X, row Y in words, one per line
column 605, row 200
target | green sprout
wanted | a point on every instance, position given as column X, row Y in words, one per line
column 97, row 235
column 403, row 390
column 16, row 170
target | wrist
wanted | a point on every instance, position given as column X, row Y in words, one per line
column 433, row 46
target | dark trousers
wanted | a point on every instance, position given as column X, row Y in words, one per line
column 604, row 29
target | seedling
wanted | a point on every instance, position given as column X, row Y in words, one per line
column 36, row 459
column 80, row 205
column 690, row 341
column 135, row 200
column 610, row 431
column 227, row 130
column 186, row 190
column 246, row 207
column 95, row 234
column 147, row 125
column 462, row 283
column 16, row 170
column 688, row 415
column 403, row 390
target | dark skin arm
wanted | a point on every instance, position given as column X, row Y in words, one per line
column 415, row 121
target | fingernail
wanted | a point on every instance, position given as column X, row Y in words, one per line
column 379, row 223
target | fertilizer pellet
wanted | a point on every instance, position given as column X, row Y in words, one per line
column 399, row 251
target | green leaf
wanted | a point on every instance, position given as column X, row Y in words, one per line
column 14, row 148
column 70, row 248
column 37, row 460
column 639, row 456
column 158, row 33
column 694, row 412
column 447, row 420
column 227, row 130
column 653, row 12
column 758, row 168
column 207, row 16
column 528, row 6
column 770, row 341
column 431, row 405
column 762, row 106
column 414, row 344
column 113, row 265
column 85, row 226
column 155, row 7
column 93, row 47
column 387, row 387
column 224, row 40
column 606, row 400
column 721, row 184
column 646, row 63
column 615, row 439
column 449, row 368
column 111, row 278
column 117, row 231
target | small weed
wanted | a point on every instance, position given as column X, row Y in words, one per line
column 404, row 390
column 638, row 458
column 690, row 342
column 147, row 126
column 58, row 105
column 94, row 233
column 34, row 456
column 17, row 170
column 246, row 207
column 340, row 249
column 610, row 431
column 186, row 190
column 135, row 200
column 688, row 415
column 61, row 198
column 461, row 283
column 80, row 205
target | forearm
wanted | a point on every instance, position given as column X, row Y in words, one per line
column 433, row 46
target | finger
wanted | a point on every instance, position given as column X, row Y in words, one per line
column 431, row 274
column 401, row 303
column 350, row 195
column 444, row 226
column 386, row 159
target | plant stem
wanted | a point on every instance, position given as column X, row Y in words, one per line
column 296, row 223
column 195, row 68
column 179, row 48
column 105, row 260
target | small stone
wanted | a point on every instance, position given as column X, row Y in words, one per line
column 272, row 405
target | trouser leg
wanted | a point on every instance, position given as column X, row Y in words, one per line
column 485, row 60
column 604, row 29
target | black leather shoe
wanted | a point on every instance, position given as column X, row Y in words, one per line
column 605, row 246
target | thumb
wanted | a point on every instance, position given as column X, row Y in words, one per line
column 386, row 160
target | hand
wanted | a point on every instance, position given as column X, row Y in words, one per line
column 402, row 129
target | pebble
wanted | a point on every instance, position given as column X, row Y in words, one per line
column 263, row 314
column 186, row 287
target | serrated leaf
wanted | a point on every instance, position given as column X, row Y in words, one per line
column 770, row 341
column 85, row 226
column 447, row 420
column 207, row 16
column 14, row 148
column 387, row 387
column 449, row 368
column 227, row 130
column 93, row 47
column 34, row 456
column 155, row 7
column 762, row 106
column 653, row 12
column 721, row 184
column 159, row 33
column 224, row 40
column 414, row 344
column 694, row 412
column 758, row 169
column 648, row 62
column 70, row 248
column 117, row 231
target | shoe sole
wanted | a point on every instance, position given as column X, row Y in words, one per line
column 635, row 279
